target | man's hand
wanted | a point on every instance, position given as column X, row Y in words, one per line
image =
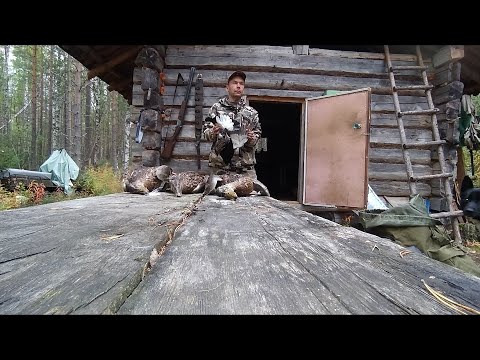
column 216, row 129
column 251, row 135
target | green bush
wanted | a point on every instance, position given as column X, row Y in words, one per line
column 97, row 181
column 101, row 180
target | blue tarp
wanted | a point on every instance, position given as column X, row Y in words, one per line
column 63, row 169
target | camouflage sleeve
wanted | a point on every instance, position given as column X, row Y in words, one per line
column 208, row 124
column 257, row 129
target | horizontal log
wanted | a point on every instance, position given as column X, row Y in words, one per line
column 390, row 120
column 247, row 50
column 447, row 74
column 220, row 91
column 179, row 165
column 183, row 147
column 244, row 50
column 450, row 91
column 285, row 81
column 395, row 156
column 392, row 136
column 380, row 119
column 187, row 131
column 211, row 95
column 397, row 188
column 150, row 157
column 362, row 55
column 395, row 172
column 448, row 54
column 292, row 64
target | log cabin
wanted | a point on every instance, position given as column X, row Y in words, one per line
column 329, row 114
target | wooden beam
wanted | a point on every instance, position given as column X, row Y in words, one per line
column 119, row 85
column 448, row 54
column 99, row 70
column 91, row 52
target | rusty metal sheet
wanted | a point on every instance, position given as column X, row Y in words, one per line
column 336, row 146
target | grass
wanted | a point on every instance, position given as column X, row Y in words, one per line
column 93, row 181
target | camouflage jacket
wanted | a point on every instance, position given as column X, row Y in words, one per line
column 244, row 117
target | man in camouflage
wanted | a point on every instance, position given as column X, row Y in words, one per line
column 233, row 150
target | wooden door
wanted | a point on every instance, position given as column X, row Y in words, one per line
column 335, row 150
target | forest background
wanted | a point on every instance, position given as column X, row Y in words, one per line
column 47, row 103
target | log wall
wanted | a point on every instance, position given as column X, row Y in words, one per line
column 293, row 74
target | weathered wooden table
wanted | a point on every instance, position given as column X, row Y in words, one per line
column 135, row 254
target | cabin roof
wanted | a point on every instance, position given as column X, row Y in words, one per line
column 118, row 62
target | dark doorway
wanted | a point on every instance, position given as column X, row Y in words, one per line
column 277, row 167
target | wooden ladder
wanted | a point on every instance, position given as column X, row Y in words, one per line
column 444, row 175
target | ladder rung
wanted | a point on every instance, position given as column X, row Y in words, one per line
column 408, row 67
column 419, row 112
column 431, row 177
column 413, row 87
column 423, row 144
column 447, row 214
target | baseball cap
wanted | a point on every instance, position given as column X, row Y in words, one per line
column 237, row 73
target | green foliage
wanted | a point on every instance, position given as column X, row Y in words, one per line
column 91, row 182
column 101, row 180
column 8, row 156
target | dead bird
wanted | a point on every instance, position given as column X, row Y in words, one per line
column 187, row 182
column 232, row 185
column 145, row 179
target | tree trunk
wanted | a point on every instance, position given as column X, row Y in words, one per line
column 114, row 130
column 41, row 131
column 50, row 102
column 88, row 124
column 77, row 128
column 67, row 125
column 6, row 108
column 126, row 140
column 98, row 118
column 33, row 140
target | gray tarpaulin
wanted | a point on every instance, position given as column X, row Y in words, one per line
column 63, row 169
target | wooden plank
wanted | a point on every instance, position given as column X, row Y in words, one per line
column 48, row 268
column 448, row 54
column 311, row 266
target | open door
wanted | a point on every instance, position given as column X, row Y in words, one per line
column 335, row 150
